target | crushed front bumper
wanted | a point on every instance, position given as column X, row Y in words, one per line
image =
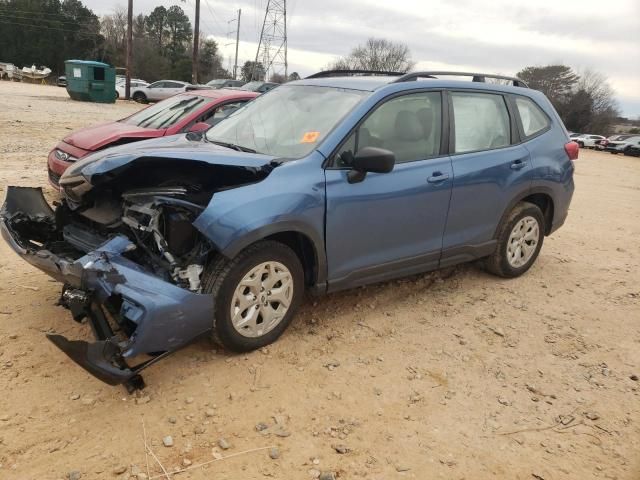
column 131, row 310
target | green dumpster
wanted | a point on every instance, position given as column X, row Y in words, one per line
column 90, row 81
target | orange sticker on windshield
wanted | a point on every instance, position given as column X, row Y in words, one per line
column 310, row 137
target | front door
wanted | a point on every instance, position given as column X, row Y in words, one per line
column 389, row 224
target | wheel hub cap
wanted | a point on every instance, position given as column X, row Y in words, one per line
column 523, row 241
column 261, row 299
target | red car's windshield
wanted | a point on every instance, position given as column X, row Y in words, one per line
column 168, row 112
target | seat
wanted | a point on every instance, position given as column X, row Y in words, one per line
column 408, row 140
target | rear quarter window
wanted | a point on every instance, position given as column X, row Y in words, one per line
column 533, row 119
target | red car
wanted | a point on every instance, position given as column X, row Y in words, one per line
column 192, row 111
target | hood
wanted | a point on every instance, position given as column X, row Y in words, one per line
column 175, row 147
column 99, row 136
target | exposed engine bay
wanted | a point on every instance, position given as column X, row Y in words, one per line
column 159, row 221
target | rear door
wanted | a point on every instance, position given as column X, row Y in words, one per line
column 490, row 168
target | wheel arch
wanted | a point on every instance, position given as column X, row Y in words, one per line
column 301, row 239
column 540, row 196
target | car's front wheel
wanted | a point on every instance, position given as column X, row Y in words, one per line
column 520, row 239
column 256, row 295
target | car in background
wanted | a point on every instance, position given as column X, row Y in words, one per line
column 160, row 90
column 185, row 112
column 136, row 85
column 613, row 138
column 574, row 135
column 61, row 81
column 258, row 86
column 225, row 83
column 633, row 151
column 622, row 146
column 588, row 140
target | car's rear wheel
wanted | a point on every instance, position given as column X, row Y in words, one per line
column 520, row 239
column 256, row 295
column 139, row 97
column 581, row 144
column 117, row 95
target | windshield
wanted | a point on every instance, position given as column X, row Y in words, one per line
column 168, row 112
column 287, row 122
column 216, row 82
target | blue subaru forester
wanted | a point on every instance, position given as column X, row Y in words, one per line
column 323, row 184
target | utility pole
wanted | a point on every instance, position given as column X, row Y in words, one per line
column 272, row 48
column 129, row 63
column 196, row 44
column 235, row 65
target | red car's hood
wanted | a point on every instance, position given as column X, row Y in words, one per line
column 99, row 136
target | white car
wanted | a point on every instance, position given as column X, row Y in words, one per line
column 588, row 140
column 623, row 146
column 159, row 90
column 136, row 85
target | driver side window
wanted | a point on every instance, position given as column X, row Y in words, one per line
column 409, row 126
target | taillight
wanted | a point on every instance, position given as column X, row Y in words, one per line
column 572, row 149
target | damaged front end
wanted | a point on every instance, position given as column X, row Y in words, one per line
column 132, row 309
column 123, row 241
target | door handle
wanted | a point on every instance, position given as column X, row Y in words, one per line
column 438, row 177
column 518, row 164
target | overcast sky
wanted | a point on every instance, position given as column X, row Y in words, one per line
column 497, row 36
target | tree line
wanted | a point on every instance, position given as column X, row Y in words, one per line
column 46, row 33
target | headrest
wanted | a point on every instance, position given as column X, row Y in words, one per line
column 408, row 128
column 425, row 117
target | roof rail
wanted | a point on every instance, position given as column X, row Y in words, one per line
column 477, row 77
column 336, row 73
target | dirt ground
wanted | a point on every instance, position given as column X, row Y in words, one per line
column 453, row 375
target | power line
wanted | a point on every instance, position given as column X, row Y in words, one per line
column 36, row 12
column 23, row 17
column 49, row 28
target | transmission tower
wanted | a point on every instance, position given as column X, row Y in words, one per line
column 272, row 48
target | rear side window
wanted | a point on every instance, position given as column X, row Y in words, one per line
column 532, row 117
column 481, row 121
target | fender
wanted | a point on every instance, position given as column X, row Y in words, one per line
column 521, row 196
column 290, row 199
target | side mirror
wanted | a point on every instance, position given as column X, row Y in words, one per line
column 199, row 127
column 371, row 159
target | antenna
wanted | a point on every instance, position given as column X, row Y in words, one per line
column 272, row 48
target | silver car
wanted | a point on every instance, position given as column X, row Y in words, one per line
column 159, row 90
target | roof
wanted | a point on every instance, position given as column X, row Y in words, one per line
column 222, row 93
column 371, row 83
column 88, row 62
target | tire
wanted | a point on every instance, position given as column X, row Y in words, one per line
column 117, row 95
column 581, row 144
column 613, row 153
column 223, row 277
column 498, row 263
column 139, row 97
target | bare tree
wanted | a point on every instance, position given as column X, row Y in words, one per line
column 377, row 54
column 114, row 29
column 278, row 78
column 604, row 108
